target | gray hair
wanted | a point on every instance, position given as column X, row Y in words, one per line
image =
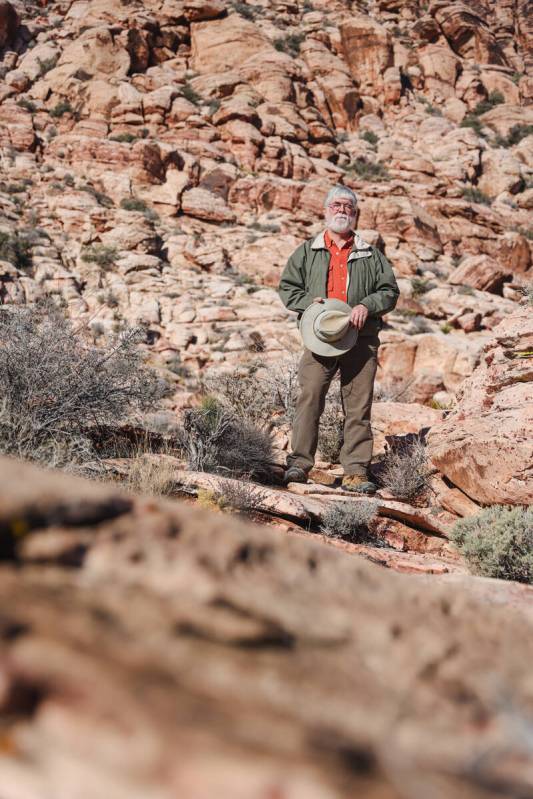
column 340, row 191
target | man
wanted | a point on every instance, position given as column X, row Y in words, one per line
column 339, row 264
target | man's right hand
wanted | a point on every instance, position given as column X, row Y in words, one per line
column 318, row 299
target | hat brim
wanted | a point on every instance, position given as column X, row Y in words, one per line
column 307, row 330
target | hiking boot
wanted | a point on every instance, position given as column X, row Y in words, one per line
column 358, row 483
column 295, row 475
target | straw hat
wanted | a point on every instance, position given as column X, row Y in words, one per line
column 326, row 330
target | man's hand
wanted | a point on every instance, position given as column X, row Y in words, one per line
column 318, row 299
column 359, row 316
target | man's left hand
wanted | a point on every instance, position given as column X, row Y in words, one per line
column 359, row 316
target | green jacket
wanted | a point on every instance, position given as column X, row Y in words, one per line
column 371, row 281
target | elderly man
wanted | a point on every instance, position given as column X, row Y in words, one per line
column 339, row 264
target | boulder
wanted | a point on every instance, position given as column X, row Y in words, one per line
column 501, row 171
column 485, row 446
column 468, row 33
column 441, row 67
column 223, row 44
column 203, row 204
column 480, row 272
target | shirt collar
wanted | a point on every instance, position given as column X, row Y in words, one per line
column 328, row 241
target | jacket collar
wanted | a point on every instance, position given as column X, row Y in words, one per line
column 319, row 243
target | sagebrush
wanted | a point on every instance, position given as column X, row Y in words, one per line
column 350, row 520
column 58, row 388
column 405, row 469
column 218, row 440
column 498, row 542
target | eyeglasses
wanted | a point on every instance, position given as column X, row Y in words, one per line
column 348, row 207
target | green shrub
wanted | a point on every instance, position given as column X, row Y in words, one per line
column 472, row 122
column 290, row 44
column 475, row 195
column 63, row 107
column 16, row 248
column 124, row 138
column 190, row 95
column 370, row 137
column 136, row 204
column 46, row 64
column 494, row 98
column 498, row 542
column 247, row 11
column 27, row 104
column 419, row 286
column 515, row 136
column 350, row 520
column 100, row 197
column 368, row 170
column 99, row 254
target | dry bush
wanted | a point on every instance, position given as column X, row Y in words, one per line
column 405, row 469
column 350, row 520
column 57, row 386
column 150, row 475
column 242, row 497
column 265, row 394
column 498, row 542
column 217, row 440
column 331, row 428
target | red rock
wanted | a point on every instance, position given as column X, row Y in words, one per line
column 485, row 446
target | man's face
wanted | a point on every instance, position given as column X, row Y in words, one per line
column 340, row 215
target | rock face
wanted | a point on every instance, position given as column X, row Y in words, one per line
column 276, row 666
column 486, row 445
column 197, row 139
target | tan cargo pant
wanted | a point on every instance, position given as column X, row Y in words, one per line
column 357, row 372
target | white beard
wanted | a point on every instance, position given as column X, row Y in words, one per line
column 340, row 223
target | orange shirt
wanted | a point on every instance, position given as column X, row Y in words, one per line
column 338, row 267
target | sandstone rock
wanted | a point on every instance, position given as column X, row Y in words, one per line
column 95, row 52
column 441, row 67
column 203, row 204
column 480, row 272
column 367, row 49
column 224, row 43
column 468, row 33
column 400, row 418
column 501, row 172
column 199, row 609
column 485, row 446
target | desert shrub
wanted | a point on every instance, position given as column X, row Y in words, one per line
column 330, row 432
column 216, row 440
column 124, row 138
column 150, row 475
column 515, row 136
column 191, row 95
column 289, row 44
column 63, row 107
column 473, row 122
column 264, row 395
column 494, row 98
column 16, row 248
column 136, row 204
column 247, row 11
column 99, row 196
column 419, row 286
column 29, row 105
column 46, row 64
column 368, row 170
column 99, row 254
column 498, row 542
column 474, row 195
column 239, row 496
column 405, row 469
column 350, row 520
column 370, row 137
column 57, row 387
